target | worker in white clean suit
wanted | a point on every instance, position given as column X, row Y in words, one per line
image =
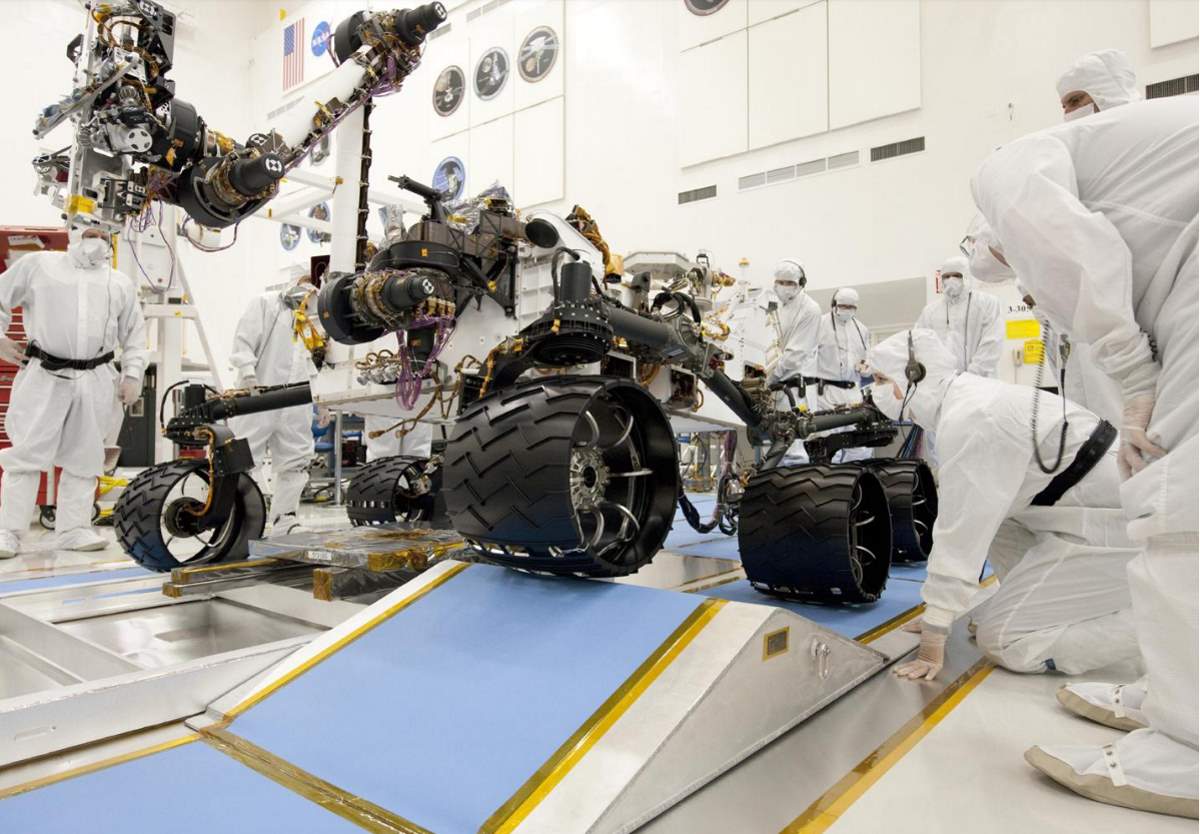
column 1099, row 219
column 417, row 442
column 1086, row 384
column 268, row 351
column 78, row 312
column 966, row 320
column 842, row 346
column 1056, row 540
column 798, row 320
column 1096, row 82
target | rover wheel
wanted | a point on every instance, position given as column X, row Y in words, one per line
column 818, row 533
column 390, row 490
column 568, row 475
column 154, row 530
column 912, row 498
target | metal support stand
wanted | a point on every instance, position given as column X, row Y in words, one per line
column 337, row 458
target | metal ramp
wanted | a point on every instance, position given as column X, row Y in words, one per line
column 476, row 698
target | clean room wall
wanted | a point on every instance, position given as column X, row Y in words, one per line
column 987, row 76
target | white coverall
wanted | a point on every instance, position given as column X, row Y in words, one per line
column 1063, row 599
column 60, row 418
column 1098, row 217
column 799, row 323
column 416, row 443
column 970, row 325
column 265, row 347
column 841, row 346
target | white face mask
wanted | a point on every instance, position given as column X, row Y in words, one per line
column 786, row 293
column 884, row 396
column 953, row 287
column 986, row 267
column 87, row 252
column 844, row 316
column 1080, row 112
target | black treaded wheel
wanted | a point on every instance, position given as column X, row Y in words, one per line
column 140, row 518
column 816, row 533
column 913, row 501
column 389, row 490
column 564, row 475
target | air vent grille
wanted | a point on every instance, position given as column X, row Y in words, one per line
column 1174, row 87
column 695, row 194
column 780, row 174
column 898, row 149
column 843, row 160
column 806, row 168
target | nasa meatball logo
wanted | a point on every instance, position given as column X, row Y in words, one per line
column 538, row 54
column 450, row 177
column 703, row 7
column 320, row 39
column 449, row 90
column 491, row 73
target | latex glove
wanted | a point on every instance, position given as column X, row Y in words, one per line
column 128, row 392
column 11, row 352
column 1136, row 447
column 931, row 656
column 324, row 416
column 250, row 382
column 863, row 368
column 913, row 626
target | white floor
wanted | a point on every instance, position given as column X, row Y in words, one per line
column 968, row 774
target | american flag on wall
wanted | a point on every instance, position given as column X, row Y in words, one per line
column 293, row 55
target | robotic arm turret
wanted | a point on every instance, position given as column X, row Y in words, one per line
column 136, row 142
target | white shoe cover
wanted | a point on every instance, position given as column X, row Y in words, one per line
column 1113, row 705
column 10, row 545
column 80, row 538
column 1145, row 770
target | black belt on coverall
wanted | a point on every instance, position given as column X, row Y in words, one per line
column 1089, row 454
column 56, row 363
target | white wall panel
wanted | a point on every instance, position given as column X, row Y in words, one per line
column 1172, row 21
column 761, row 10
column 494, row 29
column 874, row 59
column 530, row 16
column 538, row 154
column 697, row 29
column 712, row 100
column 451, row 50
column 491, row 155
column 789, row 94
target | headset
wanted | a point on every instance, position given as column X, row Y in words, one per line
column 914, row 371
column 803, row 277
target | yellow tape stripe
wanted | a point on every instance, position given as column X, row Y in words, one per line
column 513, row 812
column 366, row 815
column 826, row 810
column 891, row 625
column 83, row 770
column 452, row 572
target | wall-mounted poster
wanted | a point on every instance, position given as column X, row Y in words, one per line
column 450, row 177
column 319, row 212
column 289, row 236
column 538, row 53
column 491, row 73
column 703, row 7
column 449, row 90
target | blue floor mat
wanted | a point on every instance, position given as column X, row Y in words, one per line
column 847, row 620
column 72, row 579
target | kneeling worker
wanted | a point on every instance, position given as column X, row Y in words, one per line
column 1055, row 539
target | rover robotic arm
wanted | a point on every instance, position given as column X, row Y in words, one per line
column 135, row 141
